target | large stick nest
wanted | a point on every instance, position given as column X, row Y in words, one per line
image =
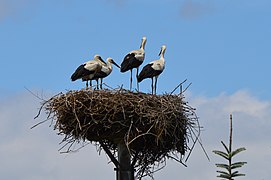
column 153, row 127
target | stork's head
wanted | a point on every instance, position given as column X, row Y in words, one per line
column 143, row 42
column 99, row 59
column 162, row 51
column 97, row 56
column 110, row 60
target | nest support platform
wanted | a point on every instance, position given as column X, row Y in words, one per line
column 152, row 127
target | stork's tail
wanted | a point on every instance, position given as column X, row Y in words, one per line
column 73, row 77
column 139, row 78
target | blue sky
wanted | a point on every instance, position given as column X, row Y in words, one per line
column 221, row 46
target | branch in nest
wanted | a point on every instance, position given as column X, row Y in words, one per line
column 152, row 126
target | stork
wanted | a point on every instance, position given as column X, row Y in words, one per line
column 105, row 71
column 133, row 60
column 87, row 70
column 153, row 69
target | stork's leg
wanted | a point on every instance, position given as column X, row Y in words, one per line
column 137, row 79
column 90, row 85
column 152, row 85
column 101, row 85
column 155, row 84
column 86, row 84
column 97, row 85
column 131, row 79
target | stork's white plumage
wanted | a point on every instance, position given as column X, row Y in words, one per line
column 87, row 70
column 105, row 71
column 133, row 60
column 153, row 69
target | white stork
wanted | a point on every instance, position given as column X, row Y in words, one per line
column 133, row 60
column 87, row 70
column 105, row 71
column 153, row 69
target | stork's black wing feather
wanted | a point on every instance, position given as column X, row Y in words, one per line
column 129, row 62
column 100, row 74
column 147, row 72
column 80, row 72
column 126, row 63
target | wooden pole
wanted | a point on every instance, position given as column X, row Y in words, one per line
column 125, row 171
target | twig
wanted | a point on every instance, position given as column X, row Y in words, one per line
column 33, row 94
column 151, row 126
column 177, row 86
column 111, row 156
column 44, row 103
column 179, row 161
column 186, row 87
column 108, row 86
column 39, row 123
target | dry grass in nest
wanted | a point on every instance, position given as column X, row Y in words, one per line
column 154, row 127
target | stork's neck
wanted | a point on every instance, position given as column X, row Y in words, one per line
column 142, row 46
column 109, row 65
column 162, row 58
column 162, row 55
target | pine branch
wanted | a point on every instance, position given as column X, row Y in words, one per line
column 228, row 155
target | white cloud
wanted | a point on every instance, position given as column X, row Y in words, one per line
column 118, row 3
column 32, row 154
column 248, row 112
column 5, row 9
column 193, row 9
column 14, row 8
column 251, row 128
